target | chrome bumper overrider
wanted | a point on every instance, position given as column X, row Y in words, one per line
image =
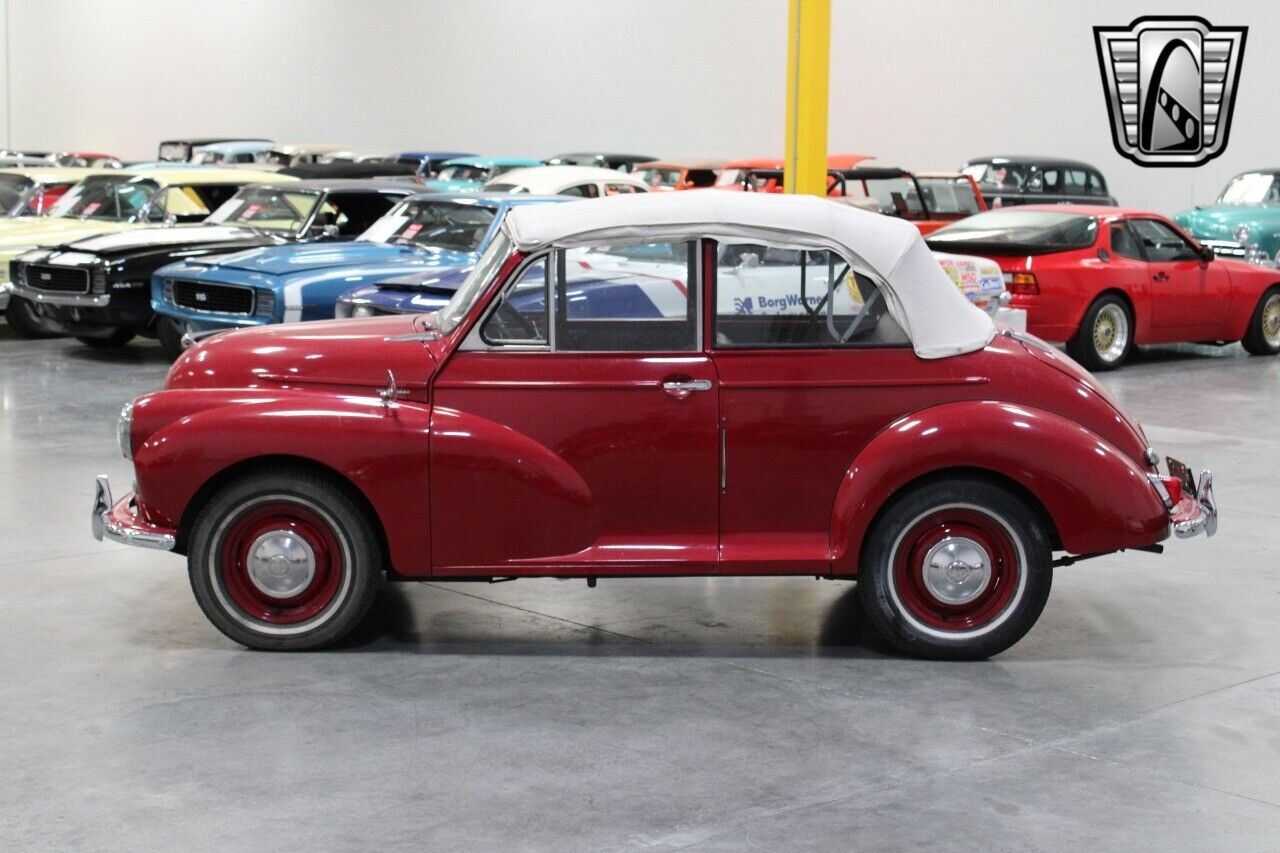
column 120, row 523
column 1195, row 513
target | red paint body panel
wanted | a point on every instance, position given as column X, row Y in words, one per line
column 528, row 463
column 577, row 463
column 1172, row 301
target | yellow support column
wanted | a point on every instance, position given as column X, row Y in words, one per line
column 808, row 69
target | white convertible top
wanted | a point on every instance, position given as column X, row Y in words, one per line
column 933, row 312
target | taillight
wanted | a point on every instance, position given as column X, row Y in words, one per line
column 1022, row 284
column 1173, row 486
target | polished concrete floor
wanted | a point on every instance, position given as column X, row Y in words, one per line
column 1143, row 711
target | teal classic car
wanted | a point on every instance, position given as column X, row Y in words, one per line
column 1245, row 220
column 469, row 174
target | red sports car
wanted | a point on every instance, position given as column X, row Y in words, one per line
column 1103, row 279
column 652, row 384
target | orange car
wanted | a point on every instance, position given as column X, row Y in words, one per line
column 678, row 174
column 747, row 174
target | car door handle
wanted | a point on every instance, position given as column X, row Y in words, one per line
column 1161, row 276
column 683, row 387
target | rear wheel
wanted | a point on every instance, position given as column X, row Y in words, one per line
column 284, row 560
column 24, row 321
column 957, row 570
column 1105, row 337
column 1263, row 335
column 117, row 338
column 169, row 333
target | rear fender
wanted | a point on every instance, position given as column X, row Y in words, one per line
column 1097, row 498
column 185, row 438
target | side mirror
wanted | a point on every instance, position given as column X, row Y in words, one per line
column 1206, row 255
column 330, row 232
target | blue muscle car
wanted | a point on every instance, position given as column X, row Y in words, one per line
column 290, row 283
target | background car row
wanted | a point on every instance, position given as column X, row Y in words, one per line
column 361, row 234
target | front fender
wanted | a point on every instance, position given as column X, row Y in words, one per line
column 1097, row 498
column 185, row 438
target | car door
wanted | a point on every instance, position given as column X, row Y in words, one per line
column 811, row 365
column 1179, row 304
column 578, row 434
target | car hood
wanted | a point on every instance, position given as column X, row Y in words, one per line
column 355, row 354
column 453, row 186
column 139, row 238
column 291, row 259
column 51, row 232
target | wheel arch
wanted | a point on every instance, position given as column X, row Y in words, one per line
column 1093, row 498
column 977, row 474
column 279, row 462
column 1126, row 297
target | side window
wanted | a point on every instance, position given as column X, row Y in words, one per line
column 638, row 298
column 520, row 318
column 583, row 190
column 1073, row 181
column 1096, row 187
column 620, row 189
column 1160, row 243
column 769, row 298
column 1050, row 181
column 1124, row 242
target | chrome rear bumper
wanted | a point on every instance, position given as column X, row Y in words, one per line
column 119, row 522
column 1197, row 510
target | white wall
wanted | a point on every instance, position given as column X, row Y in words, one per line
column 921, row 84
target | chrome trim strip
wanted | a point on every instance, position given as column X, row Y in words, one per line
column 81, row 300
column 1158, row 485
column 104, row 527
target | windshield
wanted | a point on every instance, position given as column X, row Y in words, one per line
column 277, row 158
column 266, row 207
column 475, row 174
column 948, row 195
column 1042, row 229
column 895, row 196
column 1251, row 188
column 668, row 178
column 13, row 191
column 114, row 197
column 206, row 156
column 439, row 225
column 485, row 269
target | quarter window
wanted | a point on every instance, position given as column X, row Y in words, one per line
column 1124, row 242
column 790, row 299
column 520, row 318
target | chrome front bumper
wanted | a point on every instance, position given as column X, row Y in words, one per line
column 119, row 522
column 1197, row 511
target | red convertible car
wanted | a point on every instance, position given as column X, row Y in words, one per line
column 798, row 394
column 1103, row 279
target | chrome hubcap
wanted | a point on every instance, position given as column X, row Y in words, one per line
column 1271, row 320
column 281, row 564
column 1110, row 332
column 957, row 570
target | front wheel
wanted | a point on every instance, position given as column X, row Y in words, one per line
column 284, row 560
column 1263, row 335
column 24, row 321
column 1105, row 337
column 957, row 570
column 169, row 333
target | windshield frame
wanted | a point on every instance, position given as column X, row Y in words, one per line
column 61, row 208
column 401, row 210
column 466, row 297
column 283, row 189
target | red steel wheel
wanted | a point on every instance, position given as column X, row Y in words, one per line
column 280, row 562
column 957, row 570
